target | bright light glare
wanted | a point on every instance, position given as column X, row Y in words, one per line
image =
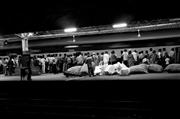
column 120, row 25
column 67, row 30
column 72, row 46
column 30, row 34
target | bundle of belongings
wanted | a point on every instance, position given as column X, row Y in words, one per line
column 122, row 70
column 117, row 68
column 77, row 71
column 173, row 68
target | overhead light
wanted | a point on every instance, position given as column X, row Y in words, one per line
column 139, row 35
column 120, row 25
column 69, row 30
column 30, row 34
column 74, row 40
column 72, row 46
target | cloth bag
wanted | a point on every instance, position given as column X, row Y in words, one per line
column 84, row 69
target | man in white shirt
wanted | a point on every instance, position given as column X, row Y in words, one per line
column 171, row 53
column 79, row 59
column 43, row 64
column 1, row 63
column 125, row 57
column 106, row 58
column 135, row 55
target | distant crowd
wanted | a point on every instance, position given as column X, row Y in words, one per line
column 62, row 62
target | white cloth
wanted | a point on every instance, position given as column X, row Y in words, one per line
column 121, row 69
column 106, row 69
column 98, row 70
column 123, row 65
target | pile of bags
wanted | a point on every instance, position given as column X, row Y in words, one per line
column 117, row 68
column 122, row 70
column 77, row 71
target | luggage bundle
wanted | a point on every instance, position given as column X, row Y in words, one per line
column 117, row 68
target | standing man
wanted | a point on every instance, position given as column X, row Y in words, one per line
column 95, row 59
column 164, row 56
column 106, row 58
column 89, row 61
column 154, row 58
column 159, row 57
column 79, row 59
column 172, row 56
column 113, row 58
column 1, row 66
column 125, row 57
column 25, row 67
column 101, row 59
column 10, row 66
column 135, row 55
column 130, row 59
column 43, row 64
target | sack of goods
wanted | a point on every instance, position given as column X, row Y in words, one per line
column 155, row 68
column 84, row 69
column 110, row 69
column 123, row 70
column 173, row 68
column 98, row 70
column 117, row 66
column 73, row 70
column 139, row 69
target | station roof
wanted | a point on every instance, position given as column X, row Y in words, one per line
column 105, row 29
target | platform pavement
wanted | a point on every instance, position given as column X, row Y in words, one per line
column 60, row 76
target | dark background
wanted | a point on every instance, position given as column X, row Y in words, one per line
column 90, row 99
column 26, row 16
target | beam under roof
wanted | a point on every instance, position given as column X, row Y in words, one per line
column 95, row 30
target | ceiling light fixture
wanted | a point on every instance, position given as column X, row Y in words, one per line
column 120, row 25
column 72, row 46
column 70, row 30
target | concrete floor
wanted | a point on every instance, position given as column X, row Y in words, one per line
column 59, row 77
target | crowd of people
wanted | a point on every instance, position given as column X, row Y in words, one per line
column 62, row 62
